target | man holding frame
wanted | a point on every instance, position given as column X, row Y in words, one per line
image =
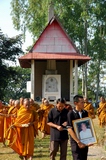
column 79, row 149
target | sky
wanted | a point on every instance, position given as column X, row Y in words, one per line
column 6, row 24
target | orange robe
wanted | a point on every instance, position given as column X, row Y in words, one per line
column 101, row 111
column 34, row 107
column 43, row 115
column 24, row 136
column 3, row 112
column 12, row 111
column 1, row 126
column 90, row 109
column 9, row 120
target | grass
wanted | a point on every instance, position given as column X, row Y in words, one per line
column 99, row 132
column 41, row 150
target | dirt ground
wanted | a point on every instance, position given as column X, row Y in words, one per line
column 97, row 153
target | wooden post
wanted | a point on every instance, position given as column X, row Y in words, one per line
column 76, row 78
column 71, row 80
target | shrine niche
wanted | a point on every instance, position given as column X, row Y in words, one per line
column 51, row 86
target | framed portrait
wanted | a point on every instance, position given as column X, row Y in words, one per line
column 84, row 130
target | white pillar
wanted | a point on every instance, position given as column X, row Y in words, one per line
column 76, row 78
column 71, row 80
column 32, row 79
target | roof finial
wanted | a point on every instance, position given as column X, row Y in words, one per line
column 51, row 11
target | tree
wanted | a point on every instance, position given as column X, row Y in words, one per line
column 84, row 21
column 10, row 48
column 98, row 42
column 33, row 16
column 16, row 87
column 29, row 15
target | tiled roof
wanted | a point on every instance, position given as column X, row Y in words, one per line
column 25, row 61
column 53, row 43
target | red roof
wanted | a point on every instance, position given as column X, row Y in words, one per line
column 53, row 43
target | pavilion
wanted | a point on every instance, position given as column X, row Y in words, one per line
column 54, row 61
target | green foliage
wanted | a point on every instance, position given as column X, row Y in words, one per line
column 10, row 48
column 83, row 20
column 29, row 14
column 16, row 87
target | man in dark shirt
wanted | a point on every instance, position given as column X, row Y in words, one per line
column 79, row 150
column 57, row 120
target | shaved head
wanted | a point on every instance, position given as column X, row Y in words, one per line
column 26, row 103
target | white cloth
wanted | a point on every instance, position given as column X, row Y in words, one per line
column 80, row 114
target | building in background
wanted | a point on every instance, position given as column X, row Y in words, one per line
column 54, row 61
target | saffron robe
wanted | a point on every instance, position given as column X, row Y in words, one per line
column 43, row 115
column 101, row 111
column 35, row 107
column 90, row 109
column 1, row 126
column 23, row 135
column 8, row 119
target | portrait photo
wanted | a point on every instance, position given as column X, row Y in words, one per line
column 84, row 130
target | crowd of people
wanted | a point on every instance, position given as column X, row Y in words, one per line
column 21, row 120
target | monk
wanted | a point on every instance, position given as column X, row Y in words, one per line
column 43, row 115
column 22, row 132
column 3, row 115
column 11, row 112
column 17, row 104
column 13, row 101
column 101, row 112
column 16, row 109
column 89, row 108
column 33, row 106
column 10, row 116
column 1, row 123
column 41, row 105
column 21, row 101
column 10, row 103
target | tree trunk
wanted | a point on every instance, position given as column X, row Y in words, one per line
column 98, row 80
column 85, row 44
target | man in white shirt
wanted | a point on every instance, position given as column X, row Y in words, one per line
column 85, row 132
